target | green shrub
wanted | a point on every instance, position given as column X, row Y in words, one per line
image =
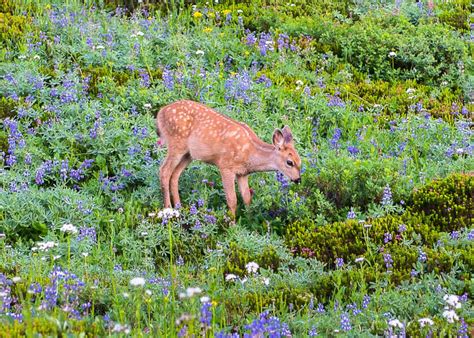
column 239, row 257
column 447, row 204
column 12, row 28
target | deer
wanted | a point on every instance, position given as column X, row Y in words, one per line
column 194, row 131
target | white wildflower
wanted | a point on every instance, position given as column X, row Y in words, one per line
column 205, row 299
column 36, row 57
column 392, row 54
column 137, row 281
column 143, row 233
column 199, row 52
column 453, row 301
column 85, row 254
column 299, row 83
column 168, row 213
column 425, row 321
column 450, row 316
column 147, row 106
column 125, row 295
column 395, row 323
column 16, row 279
column 69, row 228
column 251, row 267
column 56, row 257
column 44, row 246
column 190, row 292
column 266, row 281
column 359, row 259
column 99, row 47
column 22, row 57
column 230, row 277
column 410, row 90
column 148, row 292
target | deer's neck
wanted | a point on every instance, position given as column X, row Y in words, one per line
column 263, row 158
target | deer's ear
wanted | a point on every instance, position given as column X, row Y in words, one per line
column 278, row 138
column 287, row 135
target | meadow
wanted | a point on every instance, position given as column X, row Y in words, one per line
column 376, row 241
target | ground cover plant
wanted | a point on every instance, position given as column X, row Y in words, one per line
column 377, row 240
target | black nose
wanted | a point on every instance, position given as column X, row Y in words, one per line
column 297, row 181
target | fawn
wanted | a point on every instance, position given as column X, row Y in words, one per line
column 193, row 131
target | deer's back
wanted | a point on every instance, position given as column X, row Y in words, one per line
column 204, row 133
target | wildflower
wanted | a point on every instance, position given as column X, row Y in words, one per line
column 359, row 259
column 422, row 257
column 266, row 281
column 365, row 301
column 168, row 213
column 69, row 228
column 450, row 316
column 452, row 300
column 199, row 52
column 455, row 235
column 345, row 322
column 392, row 54
column 339, row 262
column 147, row 106
column 313, row 332
column 387, row 258
column 16, row 279
column 402, row 228
column 230, row 277
column 137, row 281
column 320, row 308
column 351, row 214
column 387, row 196
column 206, row 314
column 387, row 237
column 463, row 329
column 252, row 267
column 197, row 14
column 190, row 292
column 425, row 321
column 395, row 323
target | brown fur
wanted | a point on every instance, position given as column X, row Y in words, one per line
column 194, row 131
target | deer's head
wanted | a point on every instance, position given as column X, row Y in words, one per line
column 288, row 160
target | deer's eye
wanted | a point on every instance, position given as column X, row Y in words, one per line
column 290, row 163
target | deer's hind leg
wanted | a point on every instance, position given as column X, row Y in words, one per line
column 174, row 182
column 166, row 170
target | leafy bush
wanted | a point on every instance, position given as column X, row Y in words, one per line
column 447, row 204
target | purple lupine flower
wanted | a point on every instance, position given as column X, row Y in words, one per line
column 353, row 150
column 339, row 262
column 387, row 237
column 463, row 329
column 193, row 210
column 335, row 138
column 264, row 79
column 414, row 273
column 470, row 235
column 284, row 183
column 335, row 101
column 320, row 308
column 145, row 78
column 283, row 41
column 265, row 43
column 345, row 322
column 64, row 169
column 87, row 233
column 211, row 219
column 365, row 301
column 250, row 38
column 387, row 258
column 387, row 196
column 455, row 235
column 312, row 332
column 206, row 314
column 351, row 214
column 200, row 203
column 422, row 256
column 402, row 228
column 168, row 78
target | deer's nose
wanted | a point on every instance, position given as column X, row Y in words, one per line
column 297, row 181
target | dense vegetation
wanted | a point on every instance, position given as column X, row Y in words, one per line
column 376, row 241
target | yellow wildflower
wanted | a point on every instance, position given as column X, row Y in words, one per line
column 197, row 15
column 207, row 30
column 226, row 11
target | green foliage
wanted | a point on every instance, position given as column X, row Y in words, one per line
column 12, row 28
column 447, row 204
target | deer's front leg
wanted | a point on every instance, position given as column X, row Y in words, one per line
column 243, row 182
column 228, row 181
